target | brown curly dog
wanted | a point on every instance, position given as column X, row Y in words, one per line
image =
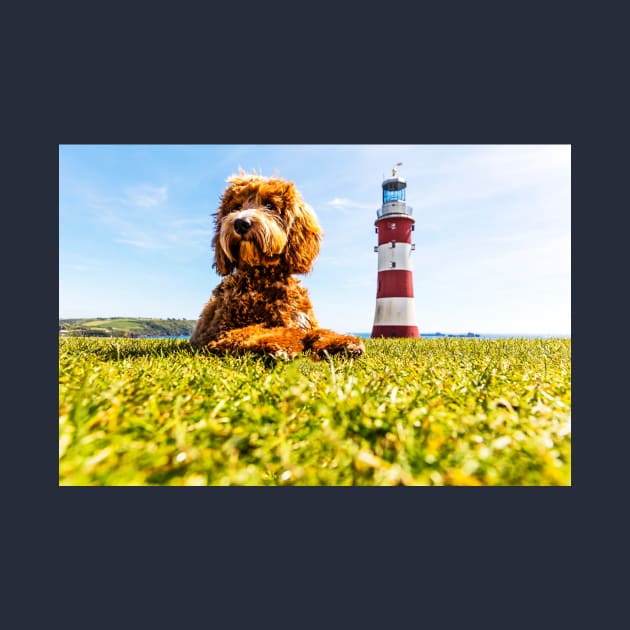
column 264, row 233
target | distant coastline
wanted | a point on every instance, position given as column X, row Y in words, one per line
column 134, row 327
column 439, row 335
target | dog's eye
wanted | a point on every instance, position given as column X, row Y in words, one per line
column 270, row 206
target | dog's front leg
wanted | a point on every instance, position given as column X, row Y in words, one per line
column 205, row 327
column 278, row 342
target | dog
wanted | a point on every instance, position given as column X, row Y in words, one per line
column 265, row 233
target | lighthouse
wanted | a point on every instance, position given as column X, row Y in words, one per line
column 395, row 313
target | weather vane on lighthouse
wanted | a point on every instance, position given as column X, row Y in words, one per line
column 395, row 314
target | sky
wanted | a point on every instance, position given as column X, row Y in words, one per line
column 492, row 231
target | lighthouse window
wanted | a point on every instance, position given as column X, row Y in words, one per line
column 393, row 195
column 392, row 226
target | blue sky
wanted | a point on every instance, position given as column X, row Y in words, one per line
column 492, row 234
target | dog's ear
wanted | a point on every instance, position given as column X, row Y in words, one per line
column 304, row 238
column 222, row 263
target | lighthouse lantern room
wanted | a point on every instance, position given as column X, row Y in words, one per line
column 395, row 314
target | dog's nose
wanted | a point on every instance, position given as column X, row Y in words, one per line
column 242, row 226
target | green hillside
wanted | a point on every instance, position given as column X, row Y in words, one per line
column 125, row 327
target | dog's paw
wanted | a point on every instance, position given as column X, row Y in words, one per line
column 283, row 355
column 323, row 343
column 275, row 357
column 355, row 348
column 349, row 349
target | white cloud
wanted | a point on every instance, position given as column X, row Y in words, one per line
column 339, row 202
column 162, row 228
column 143, row 244
column 147, row 196
column 76, row 262
column 490, row 171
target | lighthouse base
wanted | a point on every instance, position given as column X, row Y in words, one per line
column 395, row 331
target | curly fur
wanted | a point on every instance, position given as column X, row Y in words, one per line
column 265, row 233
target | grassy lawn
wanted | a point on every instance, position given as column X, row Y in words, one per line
column 411, row 412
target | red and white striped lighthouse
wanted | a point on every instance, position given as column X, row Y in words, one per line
column 395, row 314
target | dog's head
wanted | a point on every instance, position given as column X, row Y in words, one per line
column 264, row 221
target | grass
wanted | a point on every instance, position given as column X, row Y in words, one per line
column 409, row 412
